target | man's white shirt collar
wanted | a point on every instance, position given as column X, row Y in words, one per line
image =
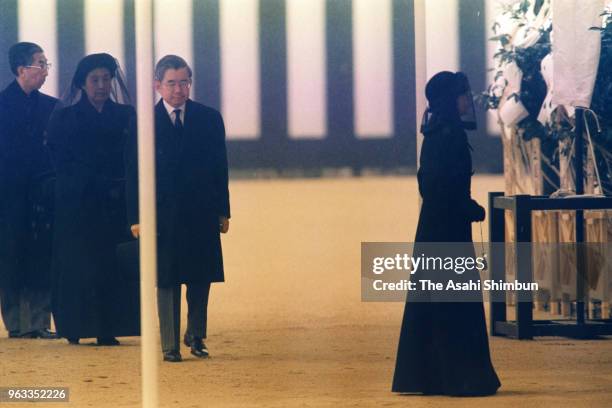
column 170, row 109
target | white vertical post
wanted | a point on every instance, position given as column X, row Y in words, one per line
column 420, row 65
column 146, row 188
column 492, row 9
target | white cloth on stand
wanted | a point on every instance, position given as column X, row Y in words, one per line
column 576, row 50
column 512, row 110
column 546, row 68
column 548, row 107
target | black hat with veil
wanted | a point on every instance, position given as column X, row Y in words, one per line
column 119, row 92
column 442, row 92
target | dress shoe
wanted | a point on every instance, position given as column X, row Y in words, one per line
column 198, row 348
column 187, row 339
column 172, row 356
column 107, row 341
column 73, row 340
column 45, row 334
column 14, row 334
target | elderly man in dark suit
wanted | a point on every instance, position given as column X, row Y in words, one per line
column 192, row 204
column 26, row 196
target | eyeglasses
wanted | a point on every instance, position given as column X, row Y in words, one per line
column 40, row 65
column 181, row 84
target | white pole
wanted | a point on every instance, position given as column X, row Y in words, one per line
column 146, row 188
column 420, row 65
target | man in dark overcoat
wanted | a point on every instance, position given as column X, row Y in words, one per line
column 26, row 191
column 192, row 204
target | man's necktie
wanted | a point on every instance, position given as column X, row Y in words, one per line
column 178, row 124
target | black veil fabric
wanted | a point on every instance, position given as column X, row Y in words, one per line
column 119, row 90
column 442, row 91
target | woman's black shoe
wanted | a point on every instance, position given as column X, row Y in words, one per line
column 107, row 341
column 73, row 340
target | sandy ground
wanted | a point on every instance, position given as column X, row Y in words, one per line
column 288, row 328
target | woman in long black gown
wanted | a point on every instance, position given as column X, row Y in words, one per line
column 443, row 347
column 87, row 140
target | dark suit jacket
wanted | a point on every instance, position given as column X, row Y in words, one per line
column 192, row 192
column 26, row 188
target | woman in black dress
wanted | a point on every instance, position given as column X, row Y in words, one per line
column 87, row 139
column 443, row 347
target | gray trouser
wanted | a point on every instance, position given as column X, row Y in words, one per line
column 169, row 310
column 25, row 310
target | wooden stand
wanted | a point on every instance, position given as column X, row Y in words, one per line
column 525, row 327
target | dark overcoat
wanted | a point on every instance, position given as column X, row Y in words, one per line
column 443, row 346
column 192, row 192
column 87, row 149
column 26, row 188
column 444, row 176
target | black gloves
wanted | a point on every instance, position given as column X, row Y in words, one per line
column 476, row 212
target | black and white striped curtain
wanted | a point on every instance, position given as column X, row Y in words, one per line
column 300, row 83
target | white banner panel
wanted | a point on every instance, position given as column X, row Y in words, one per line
column 306, row 73
column 576, row 50
column 373, row 68
column 240, row 79
column 38, row 24
column 173, row 31
column 104, row 28
column 492, row 10
column 442, row 31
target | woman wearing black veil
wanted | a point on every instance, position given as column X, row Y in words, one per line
column 86, row 138
column 443, row 347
